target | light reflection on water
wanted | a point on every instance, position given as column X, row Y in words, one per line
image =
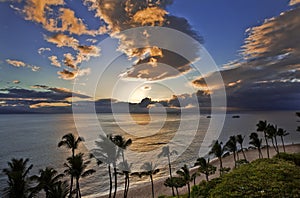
column 36, row 137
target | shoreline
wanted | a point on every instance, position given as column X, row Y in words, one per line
column 143, row 190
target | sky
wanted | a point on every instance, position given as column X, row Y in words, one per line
column 58, row 51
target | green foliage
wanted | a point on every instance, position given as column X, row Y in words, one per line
column 18, row 180
column 289, row 157
column 261, row 178
column 241, row 162
column 203, row 189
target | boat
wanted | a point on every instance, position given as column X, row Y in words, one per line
column 235, row 116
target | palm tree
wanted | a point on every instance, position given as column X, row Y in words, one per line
column 166, row 153
column 70, row 142
column 240, row 140
column 59, row 190
column 17, row 173
column 184, row 173
column 256, row 142
column 122, row 143
column 281, row 132
column 47, row 179
column 218, row 151
column 126, row 169
column 205, row 168
column 176, row 182
column 262, row 127
column 194, row 177
column 150, row 171
column 271, row 134
column 76, row 167
column 107, row 152
column 231, row 146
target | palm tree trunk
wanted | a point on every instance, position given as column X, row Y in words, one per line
column 276, row 144
column 116, row 181
column 267, row 144
column 127, row 186
column 206, row 176
column 234, row 158
column 260, row 153
column 221, row 165
column 78, row 189
column 170, row 171
column 243, row 152
column 237, row 155
column 110, row 181
column 189, row 189
column 152, row 185
column 177, row 192
column 71, row 187
column 282, row 143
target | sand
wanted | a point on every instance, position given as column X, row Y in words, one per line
column 144, row 190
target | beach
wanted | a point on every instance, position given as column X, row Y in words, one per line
column 144, row 190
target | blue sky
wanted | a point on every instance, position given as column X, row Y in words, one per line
column 46, row 45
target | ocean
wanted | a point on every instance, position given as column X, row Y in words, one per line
column 35, row 136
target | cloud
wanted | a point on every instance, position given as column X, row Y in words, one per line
column 70, row 75
column 62, row 40
column 43, row 12
column 268, row 75
column 276, row 37
column 42, row 50
column 126, row 14
column 16, row 63
column 16, row 81
column 54, row 61
column 92, row 40
column 34, row 68
column 69, row 61
column 49, row 104
column 159, row 67
column 84, row 52
column 72, row 24
column 294, row 2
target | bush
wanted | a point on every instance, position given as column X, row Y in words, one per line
column 289, row 157
column 204, row 188
column 261, row 178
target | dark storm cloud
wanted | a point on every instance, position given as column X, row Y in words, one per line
column 50, row 94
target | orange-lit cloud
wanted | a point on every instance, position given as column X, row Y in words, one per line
column 153, row 16
column 49, row 104
column 54, row 61
column 16, row 63
column 62, row 40
column 276, row 36
column 70, row 75
column 35, row 10
column 40, row 11
column 294, row 2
